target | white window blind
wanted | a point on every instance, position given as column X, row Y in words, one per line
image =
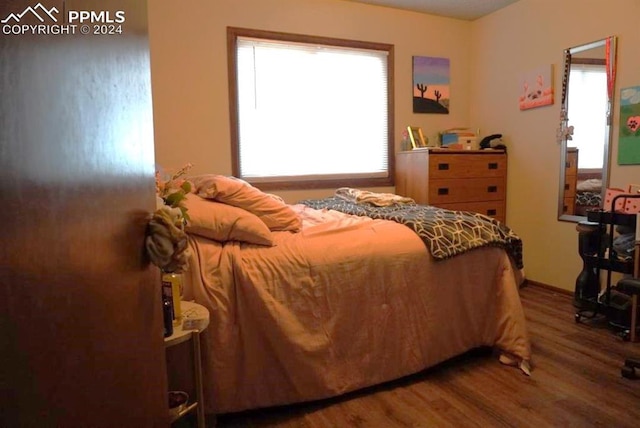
column 588, row 111
column 308, row 110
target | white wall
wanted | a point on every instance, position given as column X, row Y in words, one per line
column 190, row 90
column 521, row 37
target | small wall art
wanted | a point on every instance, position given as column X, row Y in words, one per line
column 629, row 135
column 430, row 85
column 536, row 88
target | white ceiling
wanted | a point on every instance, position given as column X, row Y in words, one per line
column 460, row 9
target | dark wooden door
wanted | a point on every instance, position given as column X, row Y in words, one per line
column 80, row 316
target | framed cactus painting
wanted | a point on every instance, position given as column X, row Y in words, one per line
column 430, row 85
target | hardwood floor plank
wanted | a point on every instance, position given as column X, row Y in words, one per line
column 576, row 382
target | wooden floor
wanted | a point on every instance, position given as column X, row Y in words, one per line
column 575, row 382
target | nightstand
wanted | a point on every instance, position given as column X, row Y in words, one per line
column 195, row 318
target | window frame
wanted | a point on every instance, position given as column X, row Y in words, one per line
column 302, row 182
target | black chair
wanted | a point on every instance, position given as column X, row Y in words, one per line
column 631, row 287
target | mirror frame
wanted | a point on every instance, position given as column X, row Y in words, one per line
column 565, row 130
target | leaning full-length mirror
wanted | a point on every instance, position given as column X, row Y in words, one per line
column 585, row 127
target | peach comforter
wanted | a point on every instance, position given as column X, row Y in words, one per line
column 346, row 303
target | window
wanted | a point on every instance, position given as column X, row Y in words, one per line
column 310, row 112
column 588, row 103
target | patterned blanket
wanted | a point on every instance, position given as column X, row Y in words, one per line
column 446, row 233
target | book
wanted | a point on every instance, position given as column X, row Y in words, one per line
column 462, row 136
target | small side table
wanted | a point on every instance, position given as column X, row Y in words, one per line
column 195, row 318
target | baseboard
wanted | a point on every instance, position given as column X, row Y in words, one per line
column 528, row 282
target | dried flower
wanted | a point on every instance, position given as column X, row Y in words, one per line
column 173, row 190
column 166, row 240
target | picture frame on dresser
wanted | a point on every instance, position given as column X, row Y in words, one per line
column 417, row 137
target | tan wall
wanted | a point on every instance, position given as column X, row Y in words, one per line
column 523, row 36
column 190, row 92
column 189, row 66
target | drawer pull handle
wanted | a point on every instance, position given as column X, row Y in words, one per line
column 566, row 186
column 493, row 165
column 491, row 212
column 443, row 166
column 443, row 191
column 567, row 165
column 492, row 189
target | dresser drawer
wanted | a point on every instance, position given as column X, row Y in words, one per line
column 570, row 187
column 463, row 180
column 571, row 164
column 466, row 190
column 495, row 209
column 467, row 166
column 568, row 206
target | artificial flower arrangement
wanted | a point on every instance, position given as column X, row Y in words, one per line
column 166, row 240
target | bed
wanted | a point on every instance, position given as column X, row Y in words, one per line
column 308, row 303
column 588, row 193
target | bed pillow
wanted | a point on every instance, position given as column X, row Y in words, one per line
column 271, row 209
column 222, row 222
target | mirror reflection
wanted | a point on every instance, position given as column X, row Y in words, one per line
column 585, row 134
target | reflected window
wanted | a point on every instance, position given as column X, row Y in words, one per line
column 588, row 107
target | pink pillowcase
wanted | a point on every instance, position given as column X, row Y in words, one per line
column 222, row 222
column 276, row 214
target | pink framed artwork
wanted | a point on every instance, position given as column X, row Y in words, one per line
column 536, row 88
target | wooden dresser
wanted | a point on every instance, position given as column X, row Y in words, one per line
column 465, row 180
column 570, row 181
